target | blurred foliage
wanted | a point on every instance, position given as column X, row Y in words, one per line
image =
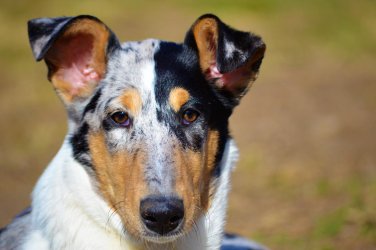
column 307, row 173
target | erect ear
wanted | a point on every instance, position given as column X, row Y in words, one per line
column 75, row 50
column 228, row 58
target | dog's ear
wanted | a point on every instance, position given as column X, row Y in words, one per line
column 75, row 50
column 228, row 58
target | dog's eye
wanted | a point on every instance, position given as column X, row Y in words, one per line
column 189, row 116
column 121, row 118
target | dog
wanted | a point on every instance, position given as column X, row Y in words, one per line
column 147, row 158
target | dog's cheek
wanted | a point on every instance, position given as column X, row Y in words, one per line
column 129, row 186
column 210, row 162
column 189, row 182
column 194, row 177
column 120, row 181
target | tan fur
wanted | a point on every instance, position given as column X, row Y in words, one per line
column 194, row 175
column 211, row 152
column 131, row 99
column 178, row 97
column 189, row 165
column 121, row 181
column 206, row 35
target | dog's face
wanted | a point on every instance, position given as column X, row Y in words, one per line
column 149, row 119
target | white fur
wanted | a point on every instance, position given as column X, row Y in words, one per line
column 67, row 213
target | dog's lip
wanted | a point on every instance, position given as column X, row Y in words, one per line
column 157, row 238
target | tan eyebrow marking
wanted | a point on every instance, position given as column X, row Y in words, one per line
column 178, row 97
column 131, row 99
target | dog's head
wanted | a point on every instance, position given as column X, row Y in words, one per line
column 149, row 119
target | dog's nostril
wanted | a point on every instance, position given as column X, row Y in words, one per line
column 162, row 214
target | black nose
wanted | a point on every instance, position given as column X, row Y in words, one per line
column 162, row 214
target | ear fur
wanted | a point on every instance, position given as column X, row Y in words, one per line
column 75, row 50
column 228, row 58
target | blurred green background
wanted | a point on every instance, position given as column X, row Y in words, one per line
column 307, row 172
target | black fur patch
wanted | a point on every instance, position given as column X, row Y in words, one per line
column 93, row 103
column 177, row 66
column 80, row 145
column 2, row 230
column 51, row 28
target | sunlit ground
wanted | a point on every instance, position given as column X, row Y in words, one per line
column 307, row 172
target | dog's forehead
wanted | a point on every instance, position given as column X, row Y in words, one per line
column 133, row 59
column 145, row 47
column 132, row 67
column 152, row 67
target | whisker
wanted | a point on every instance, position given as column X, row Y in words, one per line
column 111, row 213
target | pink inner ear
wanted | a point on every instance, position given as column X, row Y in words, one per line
column 213, row 72
column 78, row 77
column 74, row 58
column 230, row 80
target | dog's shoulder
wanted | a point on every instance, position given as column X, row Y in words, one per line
column 13, row 235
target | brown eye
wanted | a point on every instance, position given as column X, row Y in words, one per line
column 189, row 116
column 121, row 118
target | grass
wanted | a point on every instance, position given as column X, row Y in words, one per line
column 307, row 174
column 315, row 212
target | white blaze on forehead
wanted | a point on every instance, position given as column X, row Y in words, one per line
column 158, row 165
column 147, row 84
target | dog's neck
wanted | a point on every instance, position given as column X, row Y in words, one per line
column 68, row 212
